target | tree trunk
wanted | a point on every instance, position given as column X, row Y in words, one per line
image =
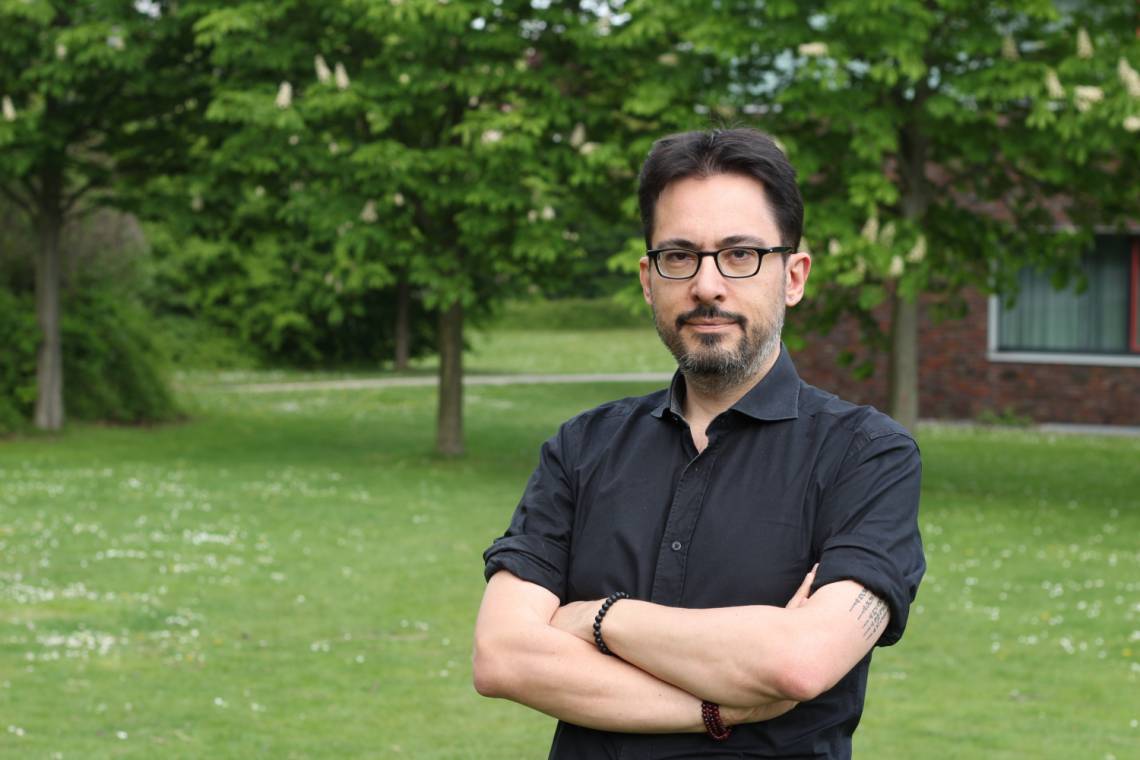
column 449, row 420
column 49, row 361
column 902, row 385
column 403, row 328
column 903, row 375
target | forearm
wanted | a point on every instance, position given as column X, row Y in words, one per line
column 730, row 655
column 561, row 675
column 750, row 655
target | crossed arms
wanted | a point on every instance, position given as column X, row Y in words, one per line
column 757, row 662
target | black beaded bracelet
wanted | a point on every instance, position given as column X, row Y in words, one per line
column 601, row 614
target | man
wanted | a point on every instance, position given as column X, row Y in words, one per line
column 764, row 531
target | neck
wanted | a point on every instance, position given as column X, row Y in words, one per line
column 706, row 396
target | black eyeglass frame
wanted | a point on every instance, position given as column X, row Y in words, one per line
column 655, row 253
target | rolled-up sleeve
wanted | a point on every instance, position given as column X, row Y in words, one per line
column 536, row 546
column 869, row 525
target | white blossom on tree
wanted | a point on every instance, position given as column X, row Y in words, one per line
column 1084, row 96
column 812, row 49
column 284, row 95
column 324, row 75
column 1129, row 77
column 1053, row 85
column 1084, row 44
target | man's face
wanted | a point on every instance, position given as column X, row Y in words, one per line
column 721, row 330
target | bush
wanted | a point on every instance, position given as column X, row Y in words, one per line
column 113, row 370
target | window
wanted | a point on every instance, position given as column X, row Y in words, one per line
column 1096, row 324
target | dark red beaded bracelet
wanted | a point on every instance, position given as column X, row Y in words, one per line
column 710, row 713
column 601, row 614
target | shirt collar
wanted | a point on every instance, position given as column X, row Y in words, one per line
column 775, row 397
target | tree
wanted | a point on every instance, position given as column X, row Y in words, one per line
column 88, row 94
column 448, row 150
column 941, row 144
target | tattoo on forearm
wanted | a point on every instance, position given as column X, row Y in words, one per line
column 872, row 611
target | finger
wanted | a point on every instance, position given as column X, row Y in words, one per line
column 804, row 590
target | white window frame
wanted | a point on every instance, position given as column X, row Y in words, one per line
column 994, row 354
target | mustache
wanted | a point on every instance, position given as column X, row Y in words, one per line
column 708, row 311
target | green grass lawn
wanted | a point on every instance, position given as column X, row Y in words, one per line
column 545, row 351
column 295, row 575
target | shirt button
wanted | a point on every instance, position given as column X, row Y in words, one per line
column 676, row 546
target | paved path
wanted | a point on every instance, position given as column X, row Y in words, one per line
column 429, row 381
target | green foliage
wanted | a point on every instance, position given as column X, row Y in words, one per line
column 114, row 370
column 17, row 361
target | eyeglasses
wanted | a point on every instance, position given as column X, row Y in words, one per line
column 736, row 262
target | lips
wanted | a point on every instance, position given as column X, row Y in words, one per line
column 708, row 317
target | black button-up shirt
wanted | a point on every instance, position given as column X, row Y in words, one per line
column 791, row 475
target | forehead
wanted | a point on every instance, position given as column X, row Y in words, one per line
column 704, row 210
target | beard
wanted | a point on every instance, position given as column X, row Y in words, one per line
column 715, row 364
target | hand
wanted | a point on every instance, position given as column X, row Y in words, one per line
column 799, row 599
column 733, row 716
column 577, row 618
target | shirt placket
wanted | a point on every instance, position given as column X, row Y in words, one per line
column 685, row 509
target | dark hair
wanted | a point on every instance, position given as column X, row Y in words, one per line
column 749, row 152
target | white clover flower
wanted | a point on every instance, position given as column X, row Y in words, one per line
column 668, row 59
column 1129, row 77
column 368, row 214
column 259, row 191
column 334, row 147
column 294, row 139
column 834, row 247
column 1086, row 96
column 341, row 77
column 284, row 95
column 812, row 49
column 860, row 267
column 473, row 101
column 1009, row 48
column 491, row 136
column 9, row 109
column 896, row 268
column 1053, row 85
column 196, row 202
column 918, row 251
column 1132, row 123
column 870, row 230
column 547, row 213
column 398, row 199
column 115, row 41
column 532, row 216
column 1084, row 44
column 324, row 75
column 588, row 148
column 60, row 50
column 578, row 135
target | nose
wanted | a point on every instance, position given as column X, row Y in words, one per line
column 707, row 285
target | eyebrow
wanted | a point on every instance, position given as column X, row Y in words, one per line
column 725, row 242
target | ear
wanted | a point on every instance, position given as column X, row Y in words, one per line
column 646, row 291
column 798, row 268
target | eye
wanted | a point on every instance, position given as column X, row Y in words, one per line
column 738, row 255
column 676, row 256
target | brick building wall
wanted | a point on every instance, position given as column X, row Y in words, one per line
column 958, row 382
